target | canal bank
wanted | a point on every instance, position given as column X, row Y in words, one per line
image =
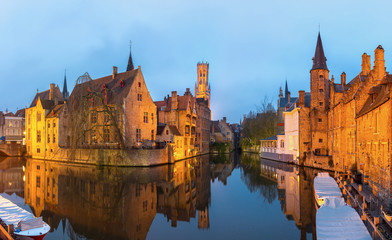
column 118, row 157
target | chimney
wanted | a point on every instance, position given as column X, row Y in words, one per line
column 187, row 91
column 224, row 119
column 114, row 72
column 174, row 100
column 288, row 97
column 301, row 98
column 379, row 63
column 343, row 79
column 365, row 64
column 51, row 91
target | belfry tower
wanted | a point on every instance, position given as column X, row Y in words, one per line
column 320, row 89
column 202, row 87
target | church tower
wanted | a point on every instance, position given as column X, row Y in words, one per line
column 65, row 90
column 202, row 87
column 319, row 88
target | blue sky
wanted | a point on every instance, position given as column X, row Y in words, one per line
column 252, row 46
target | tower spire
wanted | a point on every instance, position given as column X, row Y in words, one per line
column 65, row 90
column 130, row 66
column 286, row 90
column 319, row 60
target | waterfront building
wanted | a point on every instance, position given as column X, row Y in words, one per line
column 348, row 123
column 112, row 111
column 181, row 112
column 284, row 102
column 222, row 132
column 296, row 119
column 169, row 134
column 36, row 122
column 12, row 127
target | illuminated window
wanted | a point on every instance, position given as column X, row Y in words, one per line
column 138, row 135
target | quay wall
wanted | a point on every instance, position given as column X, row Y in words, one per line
column 114, row 157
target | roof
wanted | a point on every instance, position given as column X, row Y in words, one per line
column 270, row 138
column 284, row 101
column 55, row 111
column 183, row 102
column 116, row 89
column 45, row 95
column 20, row 112
column 319, row 59
column 173, row 129
column 377, row 96
column 293, row 105
column 340, row 88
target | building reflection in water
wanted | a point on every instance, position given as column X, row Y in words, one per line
column 11, row 175
column 122, row 203
column 118, row 203
column 295, row 193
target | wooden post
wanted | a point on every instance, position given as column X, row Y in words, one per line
column 11, row 229
column 376, row 220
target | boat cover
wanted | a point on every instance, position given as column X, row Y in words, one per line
column 12, row 214
column 336, row 220
column 326, row 186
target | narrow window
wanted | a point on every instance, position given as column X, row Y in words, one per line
column 320, row 120
column 320, row 140
column 145, row 117
column 321, row 104
column 38, row 136
column 152, row 135
column 48, row 138
column 140, row 85
column 54, row 138
column 138, row 135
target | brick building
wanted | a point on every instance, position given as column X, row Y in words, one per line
column 348, row 126
column 112, row 111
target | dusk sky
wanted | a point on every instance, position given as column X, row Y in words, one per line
column 251, row 46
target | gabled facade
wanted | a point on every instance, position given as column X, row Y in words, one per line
column 180, row 111
column 113, row 111
column 37, row 144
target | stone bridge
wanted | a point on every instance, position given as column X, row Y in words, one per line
column 12, row 150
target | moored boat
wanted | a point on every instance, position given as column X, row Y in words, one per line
column 337, row 220
column 325, row 187
column 26, row 225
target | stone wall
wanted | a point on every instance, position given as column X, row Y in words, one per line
column 115, row 157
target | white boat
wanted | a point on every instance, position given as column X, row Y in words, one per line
column 337, row 220
column 26, row 225
column 325, row 187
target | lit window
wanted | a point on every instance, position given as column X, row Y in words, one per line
column 138, row 135
column 145, row 117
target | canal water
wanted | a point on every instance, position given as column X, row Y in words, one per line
column 208, row 197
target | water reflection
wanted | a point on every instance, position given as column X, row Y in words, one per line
column 88, row 202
